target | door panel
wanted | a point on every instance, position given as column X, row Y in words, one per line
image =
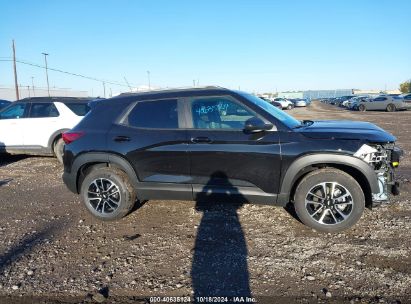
column 234, row 158
column 151, row 139
column 157, row 155
column 223, row 155
column 12, row 125
column 40, row 125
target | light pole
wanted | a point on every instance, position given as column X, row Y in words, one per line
column 104, row 88
column 47, row 74
column 149, row 83
column 32, row 85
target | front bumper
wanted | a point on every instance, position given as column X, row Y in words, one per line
column 388, row 185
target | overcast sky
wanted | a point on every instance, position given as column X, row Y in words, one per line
column 255, row 45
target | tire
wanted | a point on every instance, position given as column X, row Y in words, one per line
column 107, row 193
column 324, row 215
column 362, row 108
column 391, row 108
column 58, row 150
column 289, row 107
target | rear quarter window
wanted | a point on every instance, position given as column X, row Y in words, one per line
column 80, row 109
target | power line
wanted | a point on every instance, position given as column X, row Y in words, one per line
column 68, row 73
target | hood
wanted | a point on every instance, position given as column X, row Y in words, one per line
column 346, row 129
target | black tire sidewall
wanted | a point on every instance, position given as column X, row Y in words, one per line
column 289, row 107
column 59, row 149
column 361, row 108
column 329, row 175
column 127, row 192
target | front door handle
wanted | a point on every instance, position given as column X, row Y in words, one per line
column 121, row 138
column 201, row 140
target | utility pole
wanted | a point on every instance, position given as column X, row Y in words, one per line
column 149, row 83
column 111, row 93
column 32, row 85
column 194, row 83
column 47, row 74
column 28, row 89
column 15, row 73
column 127, row 83
column 104, row 88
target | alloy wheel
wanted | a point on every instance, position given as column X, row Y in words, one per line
column 103, row 195
column 329, row 203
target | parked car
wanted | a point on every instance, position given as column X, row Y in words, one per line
column 340, row 100
column 383, row 103
column 349, row 102
column 34, row 125
column 407, row 100
column 285, row 103
column 277, row 105
column 4, row 103
column 354, row 103
column 274, row 103
column 299, row 102
column 214, row 144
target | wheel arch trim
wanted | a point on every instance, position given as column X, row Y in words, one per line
column 54, row 136
column 328, row 159
column 100, row 157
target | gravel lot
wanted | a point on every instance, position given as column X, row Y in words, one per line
column 53, row 250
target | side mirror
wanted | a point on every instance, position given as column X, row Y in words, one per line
column 255, row 124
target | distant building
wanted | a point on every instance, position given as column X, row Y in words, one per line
column 9, row 93
column 313, row 94
column 291, row 95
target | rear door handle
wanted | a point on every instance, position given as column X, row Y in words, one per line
column 201, row 140
column 121, row 138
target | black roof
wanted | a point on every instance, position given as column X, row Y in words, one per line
column 56, row 99
column 174, row 91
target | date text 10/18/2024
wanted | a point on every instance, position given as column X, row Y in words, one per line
column 202, row 300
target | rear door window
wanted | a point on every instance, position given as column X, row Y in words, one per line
column 154, row 114
column 43, row 110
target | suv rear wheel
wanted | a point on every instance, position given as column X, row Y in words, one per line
column 107, row 193
column 58, row 149
column 329, row 200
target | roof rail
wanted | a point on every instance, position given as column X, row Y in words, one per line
column 210, row 87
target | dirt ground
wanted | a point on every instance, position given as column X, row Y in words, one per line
column 53, row 250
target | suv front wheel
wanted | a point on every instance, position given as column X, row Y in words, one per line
column 108, row 193
column 329, row 200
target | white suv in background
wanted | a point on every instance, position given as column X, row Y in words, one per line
column 285, row 103
column 34, row 125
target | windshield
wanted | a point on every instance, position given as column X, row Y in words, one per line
column 286, row 119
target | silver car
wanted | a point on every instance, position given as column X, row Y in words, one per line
column 407, row 100
column 300, row 103
column 383, row 103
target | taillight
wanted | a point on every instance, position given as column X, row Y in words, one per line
column 69, row 137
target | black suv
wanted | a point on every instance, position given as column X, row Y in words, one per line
column 214, row 144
